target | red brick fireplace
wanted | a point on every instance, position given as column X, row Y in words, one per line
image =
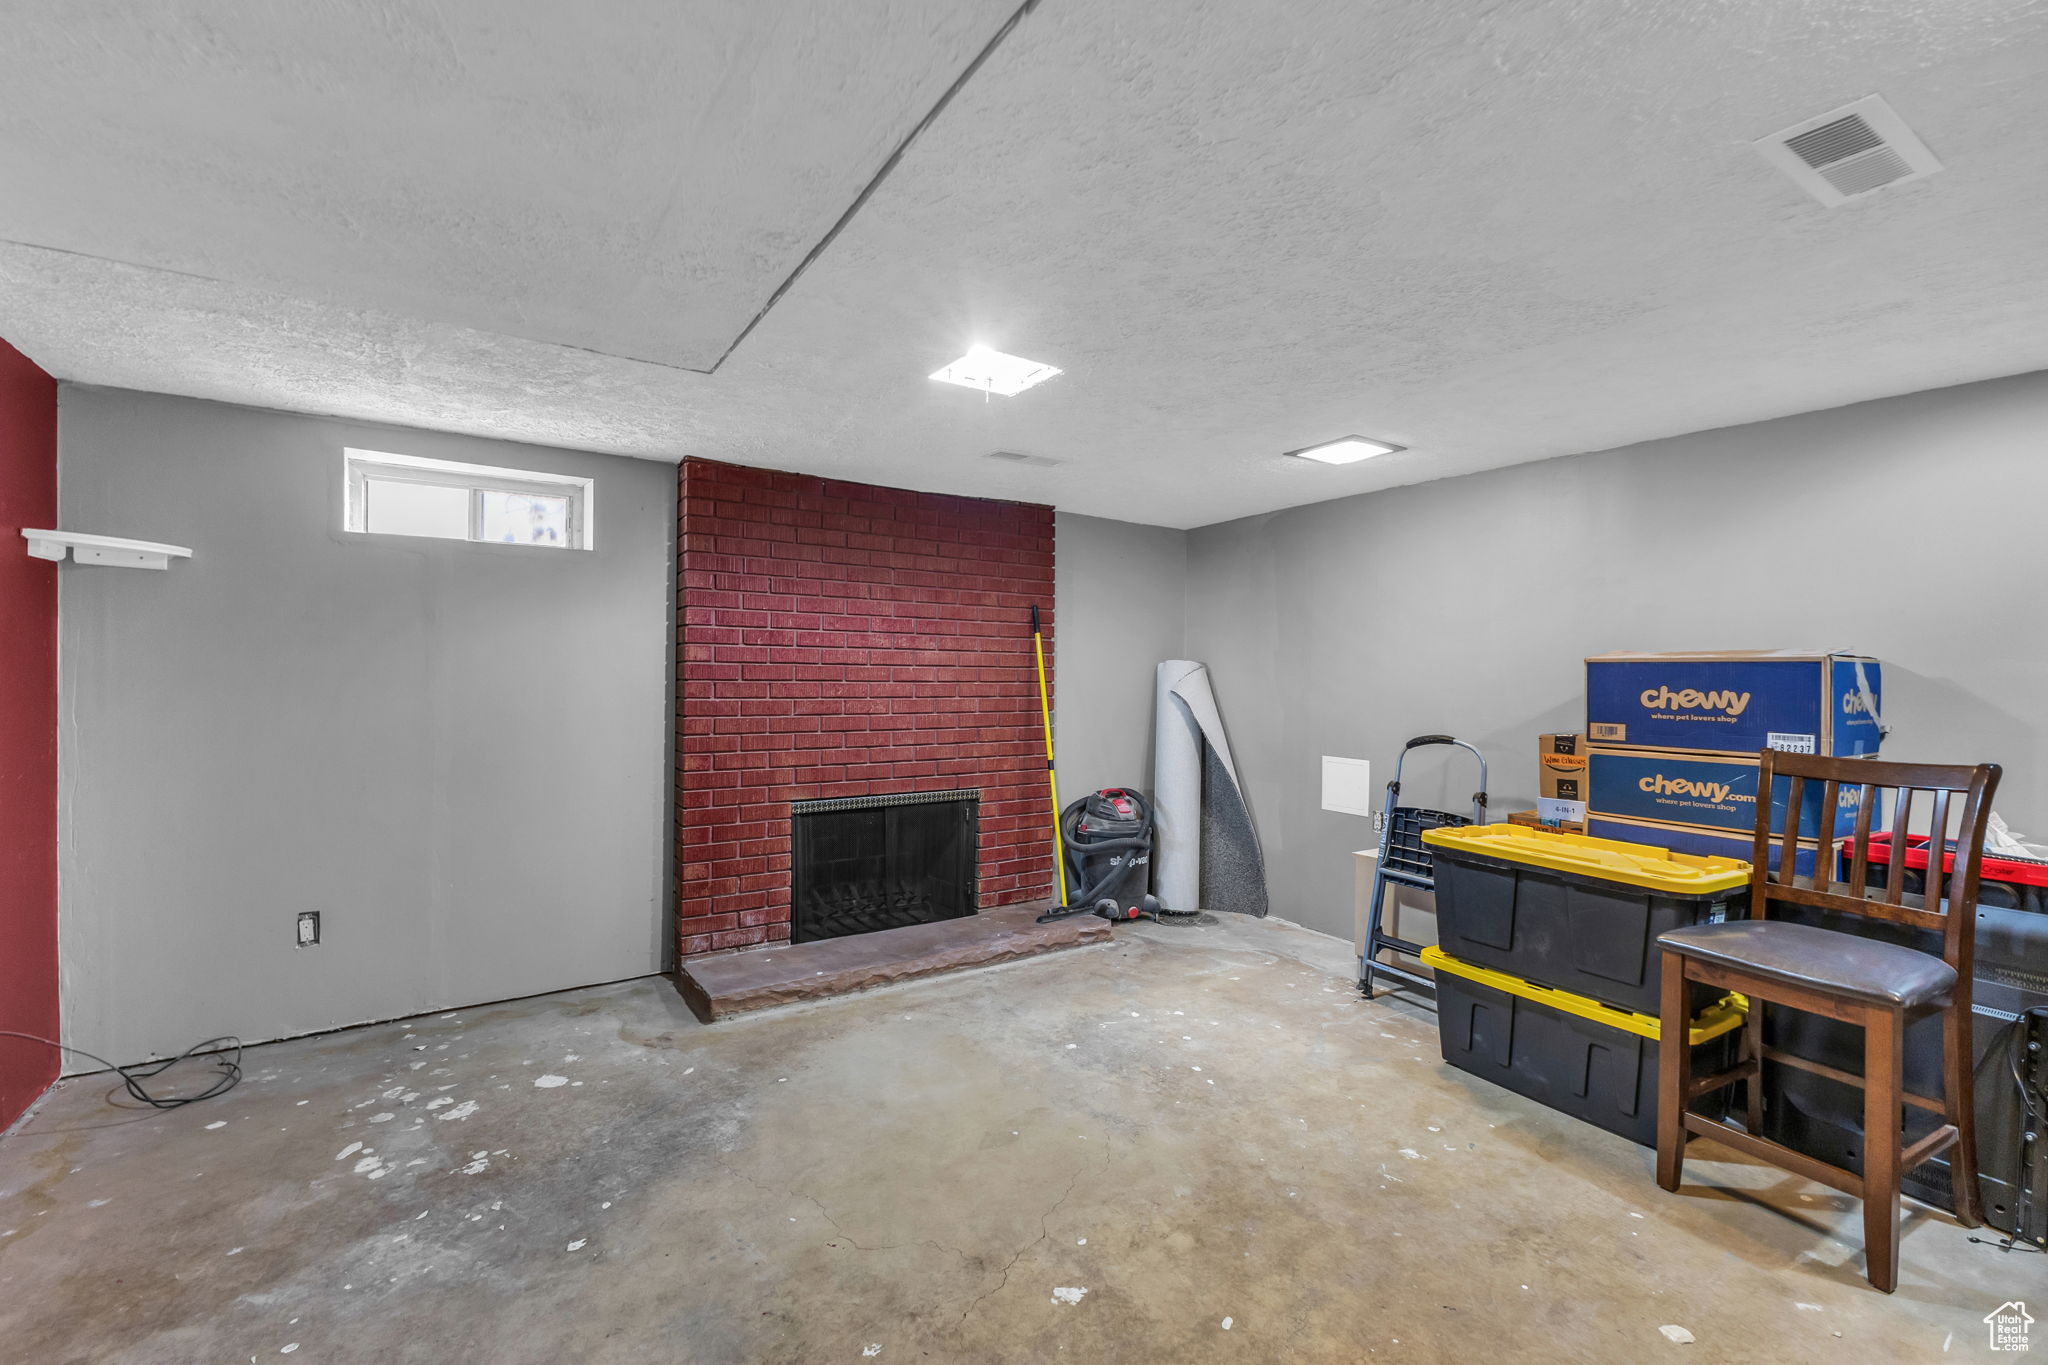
column 838, row 640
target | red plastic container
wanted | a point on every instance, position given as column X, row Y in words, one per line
column 2008, row 883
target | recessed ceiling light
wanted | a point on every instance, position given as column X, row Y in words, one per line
column 1349, row 450
column 994, row 372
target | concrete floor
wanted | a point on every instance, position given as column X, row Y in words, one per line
column 1190, row 1145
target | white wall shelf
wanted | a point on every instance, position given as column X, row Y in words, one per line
column 127, row 554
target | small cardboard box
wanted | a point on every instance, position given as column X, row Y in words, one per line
column 1717, row 792
column 1561, row 767
column 1694, row 839
column 1534, row 820
column 1736, row 702
column 1561, row 779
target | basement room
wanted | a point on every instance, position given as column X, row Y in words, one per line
column 1022, row 680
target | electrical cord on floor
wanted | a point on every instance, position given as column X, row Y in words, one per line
column 2031, row 1118
column 226, row 1051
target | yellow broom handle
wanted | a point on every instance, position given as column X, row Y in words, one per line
column 1052, row 781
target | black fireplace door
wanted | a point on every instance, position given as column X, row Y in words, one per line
column 881, row 862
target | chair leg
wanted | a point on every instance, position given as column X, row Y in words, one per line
column 1958, row 1096
column 1883, row 1085
column 1674, row 1073
column 1753, row 1051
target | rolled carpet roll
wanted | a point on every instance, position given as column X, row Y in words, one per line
column 1206, row 852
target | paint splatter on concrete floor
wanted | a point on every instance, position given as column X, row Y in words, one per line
column 1189, row 1145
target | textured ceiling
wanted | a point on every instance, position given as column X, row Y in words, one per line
column 632, row 178
column 1490, row 232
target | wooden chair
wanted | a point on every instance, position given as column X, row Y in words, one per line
column 1864, row 981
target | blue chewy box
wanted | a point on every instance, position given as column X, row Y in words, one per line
column 1699, row 789
column 1736, row 702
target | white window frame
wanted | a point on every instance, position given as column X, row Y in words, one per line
column 360, row 466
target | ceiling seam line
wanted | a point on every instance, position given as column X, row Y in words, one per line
column 308, row 298
column 116, row 260
column 867, row 192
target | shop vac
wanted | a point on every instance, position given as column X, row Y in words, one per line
column 1104, row 840
column 1107, row 840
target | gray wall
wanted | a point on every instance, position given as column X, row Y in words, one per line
column 458, row 753
column 1911, row 528
column 1121, row 597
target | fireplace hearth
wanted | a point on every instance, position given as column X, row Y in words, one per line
column 863, row 863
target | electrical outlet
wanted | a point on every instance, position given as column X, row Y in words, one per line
column 309, row 928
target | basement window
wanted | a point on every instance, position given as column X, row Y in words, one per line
column 407, row 495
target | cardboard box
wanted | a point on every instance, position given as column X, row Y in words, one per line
column 1534, row 820
column 1561, row 779
column 1694, row 839
column 1707, row 790
column 1561, row 767
column 1736, row 702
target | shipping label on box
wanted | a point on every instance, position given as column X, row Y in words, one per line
column 1552, row 811
column 1698, row 789
column 1692, row 839
column 1736, row 703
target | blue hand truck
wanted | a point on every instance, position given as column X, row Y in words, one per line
column 1406, row 861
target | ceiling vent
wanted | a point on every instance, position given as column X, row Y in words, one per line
column 1850, row 151
column 1018, row 457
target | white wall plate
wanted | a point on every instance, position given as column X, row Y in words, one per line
column 1347, row 785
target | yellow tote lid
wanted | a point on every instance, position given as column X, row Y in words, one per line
column 1645, row 865
column 1723, row 1016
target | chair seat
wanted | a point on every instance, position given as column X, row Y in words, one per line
column 1819, row 959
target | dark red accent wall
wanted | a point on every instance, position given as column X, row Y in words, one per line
column 842, row 640
column 28, row 734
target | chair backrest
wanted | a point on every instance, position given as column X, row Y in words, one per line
column 1947, row 905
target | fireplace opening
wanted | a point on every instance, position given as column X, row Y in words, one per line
column 864, row 863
